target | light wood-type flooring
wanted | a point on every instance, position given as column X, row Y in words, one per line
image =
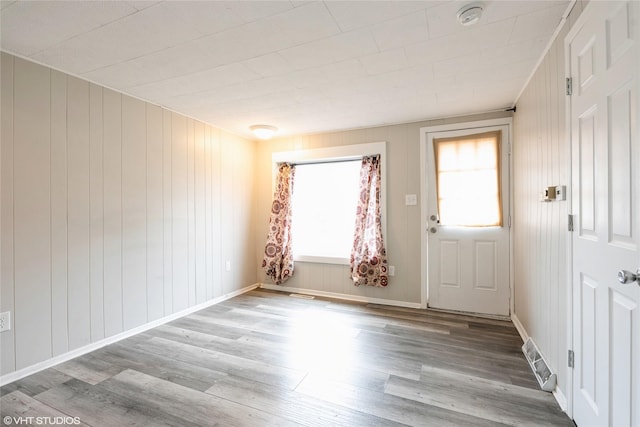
column 269, row 359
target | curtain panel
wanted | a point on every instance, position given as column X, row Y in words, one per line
column 368, row 256
column 278, row 259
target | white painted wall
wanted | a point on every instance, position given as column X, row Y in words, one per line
column 114, row 213
column 541, row 158
column 403, row 222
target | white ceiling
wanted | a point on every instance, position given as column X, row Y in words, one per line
column 303, row 66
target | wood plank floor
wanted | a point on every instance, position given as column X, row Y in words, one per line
column 265, row 359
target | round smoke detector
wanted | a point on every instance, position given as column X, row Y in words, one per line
column 470, row 14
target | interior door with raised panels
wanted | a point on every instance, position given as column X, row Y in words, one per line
column 603, row 50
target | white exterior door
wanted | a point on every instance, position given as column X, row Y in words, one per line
column 467, row 266
column 603, row 52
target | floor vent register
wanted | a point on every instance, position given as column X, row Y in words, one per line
column 539, row 366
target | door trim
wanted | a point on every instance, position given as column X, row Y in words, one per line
column 424, row 209
column 571, row 34
column 568, row 389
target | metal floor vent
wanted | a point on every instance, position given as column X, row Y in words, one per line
column 539, row 366
column 301, row 296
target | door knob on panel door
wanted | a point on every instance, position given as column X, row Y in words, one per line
column 626, row 277
column 433, row 230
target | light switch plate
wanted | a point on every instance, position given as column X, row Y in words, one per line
column 410, row 199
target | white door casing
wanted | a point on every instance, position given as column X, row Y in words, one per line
column 602, row 50
column 465, row 268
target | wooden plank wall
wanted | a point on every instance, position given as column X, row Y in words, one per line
column 115, row 213
column 541, row 158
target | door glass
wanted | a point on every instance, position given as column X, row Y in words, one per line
column 468, row 180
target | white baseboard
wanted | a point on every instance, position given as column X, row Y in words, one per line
column 345, row 297
column 557, row 391
column 560, row 398
column 45, row 364
column 519, row 327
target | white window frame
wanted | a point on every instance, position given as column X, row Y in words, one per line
column 332, row 154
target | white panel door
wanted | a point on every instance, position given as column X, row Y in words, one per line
column 468, row 267
column 602, row 48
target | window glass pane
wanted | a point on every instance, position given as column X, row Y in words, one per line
column 324, row 204
column 468, row 180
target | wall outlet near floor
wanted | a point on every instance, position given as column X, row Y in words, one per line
column 227, row 266
column 392, row 270
column 5, row 321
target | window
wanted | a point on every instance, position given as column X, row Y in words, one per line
column 324, row 202
column 468, row 180
column 325, row 196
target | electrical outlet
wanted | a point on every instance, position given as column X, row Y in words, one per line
column 5, row 321
column 392, row 270
column 227, row 266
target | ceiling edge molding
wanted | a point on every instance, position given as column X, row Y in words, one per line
column 552, row 40
column 25, row 58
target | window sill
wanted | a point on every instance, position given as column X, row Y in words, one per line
column 321, row 260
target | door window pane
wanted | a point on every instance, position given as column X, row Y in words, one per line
column 468, row 180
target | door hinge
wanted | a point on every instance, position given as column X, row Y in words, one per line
column 509, row 221
column 570, row 359
column 569, row 86
column 570, row 222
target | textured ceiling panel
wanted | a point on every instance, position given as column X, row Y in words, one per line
column 303, row 66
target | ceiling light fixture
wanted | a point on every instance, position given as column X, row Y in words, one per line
column 263, row 131
column 470, row 14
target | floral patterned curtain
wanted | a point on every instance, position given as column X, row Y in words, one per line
column 278, row 259
column 368, row 256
